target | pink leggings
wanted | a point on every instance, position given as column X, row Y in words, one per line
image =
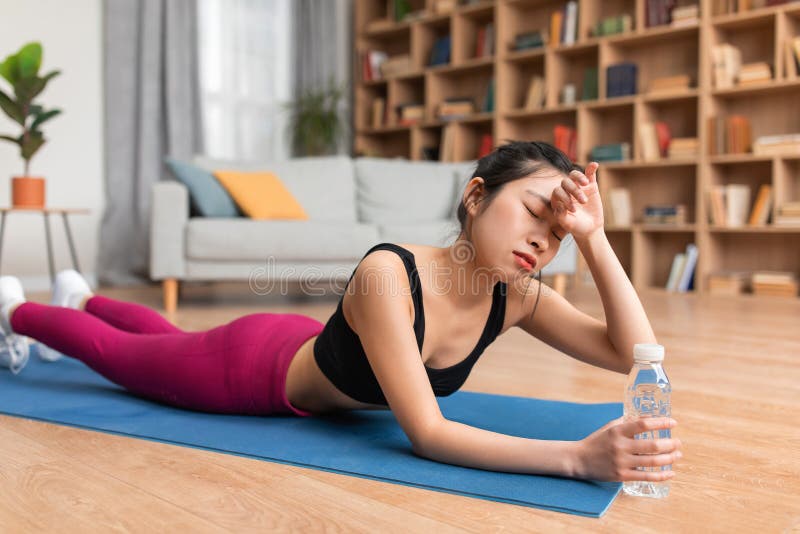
column 239, row 367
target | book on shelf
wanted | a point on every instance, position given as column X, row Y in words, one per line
column 670, row 84
column 788, row 214
column 484, row 43
column 440, row 53
column 729, row 205
column 683, row 147
column 726, row 60
column 612, row 26
column 674, row 214
column 395, row 65
column 378, row 112
column 486, row 145
column 728, row 282
column 658, row 12
column 532, row 39
column 611, row 152
column 684, row 16
column 791, row 57
column 729, row 135
column 620, row 206
column 488, row 100
column 655, row 139
column 774, row 283
column 589, row 84
column 564, row 25
column 754, row 73
column 371, row 61
column 410, row 113
column 621, row 79
column 536, row 93
column 682, row 270
column 556, row 20
column 447, row 145
column 565, row 139
column 761, row 207
column 777, row 144
column 455, row 108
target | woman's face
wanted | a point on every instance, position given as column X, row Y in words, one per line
column 518, row 219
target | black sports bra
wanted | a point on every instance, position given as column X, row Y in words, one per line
column 340, row 355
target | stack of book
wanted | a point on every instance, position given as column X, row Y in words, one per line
column 565, row 139
column 619, row 206
column 777, row 144
column 533, row 39
column 670, row 84
column 612, row 26
column 378, row 112
column 564, row 25
column 658, row 12
column 788, row 214
column 729, row 205
column 455, row 108
column 536, row 92
column 754, row 73
column 731, row 135
column 685, row 16
column 726, row 60
column 611, row 152
column 484, row 44
column 684, row 147
column 665, row 214
column 440, row 53
column 621, row 79
column 681, row 273
column 410, row 113
column 655, row 139
column 589, row 84
column 728, row 282
column 371, row 62
column 774, row 283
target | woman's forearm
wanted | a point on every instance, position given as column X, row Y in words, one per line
column 626, row 321
column 459, row 444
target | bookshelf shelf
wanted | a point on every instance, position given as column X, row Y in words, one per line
column 661, row 53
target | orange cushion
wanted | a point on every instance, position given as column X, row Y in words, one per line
column 261, row 195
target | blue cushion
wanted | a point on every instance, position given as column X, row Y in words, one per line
column 208, row 196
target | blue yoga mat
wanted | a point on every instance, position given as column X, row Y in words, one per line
column 363, row 443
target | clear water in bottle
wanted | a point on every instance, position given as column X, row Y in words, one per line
column 647, row 394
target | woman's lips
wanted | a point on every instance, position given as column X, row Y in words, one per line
column 525, row 264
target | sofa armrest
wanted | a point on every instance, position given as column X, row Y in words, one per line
column 169, row 215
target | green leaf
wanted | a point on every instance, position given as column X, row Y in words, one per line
column 14, row 140
column 11, row 108
column 43, row 117
column 8, row 69
column 31, row 145
column 29, row 60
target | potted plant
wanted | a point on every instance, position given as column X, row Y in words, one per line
column 21, row 71
column 316, row 124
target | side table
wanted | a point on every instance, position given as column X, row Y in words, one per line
column 46, row 212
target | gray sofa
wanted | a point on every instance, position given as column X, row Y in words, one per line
column 352, row 205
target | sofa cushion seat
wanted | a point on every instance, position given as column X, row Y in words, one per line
column 432, row 233
column 248, row 239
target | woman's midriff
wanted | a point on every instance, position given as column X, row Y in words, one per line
column 307, row 388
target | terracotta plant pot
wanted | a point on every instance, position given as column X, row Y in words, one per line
column 27, row 192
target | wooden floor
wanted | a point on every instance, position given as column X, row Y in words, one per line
column 735, row 368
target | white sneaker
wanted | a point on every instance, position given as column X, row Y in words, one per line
column 69, row 289
column 14, row 348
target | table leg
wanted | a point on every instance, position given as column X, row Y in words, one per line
column 71, row 243
column 2, row 231
column 49, row 247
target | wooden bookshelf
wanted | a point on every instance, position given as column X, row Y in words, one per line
column 645, row 250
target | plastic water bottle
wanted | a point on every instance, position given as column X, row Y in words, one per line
column 647, row 394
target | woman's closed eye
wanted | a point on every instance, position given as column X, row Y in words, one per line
column 539, row 218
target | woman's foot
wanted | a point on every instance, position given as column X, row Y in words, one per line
column 70, row 290
column 14, row 349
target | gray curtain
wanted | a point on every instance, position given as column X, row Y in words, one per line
column 152, row 109
column 323, row 47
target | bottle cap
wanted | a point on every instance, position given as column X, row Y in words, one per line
column 648, row 352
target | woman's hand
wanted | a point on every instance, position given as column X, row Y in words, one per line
column 611, row 453
column 576, row 203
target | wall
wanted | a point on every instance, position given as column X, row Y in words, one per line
column 72, row 159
